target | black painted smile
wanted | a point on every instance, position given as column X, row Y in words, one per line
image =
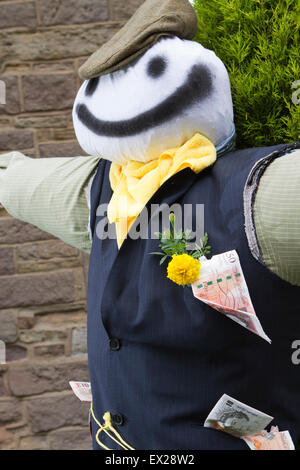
column 197, row 86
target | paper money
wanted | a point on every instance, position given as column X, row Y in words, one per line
column 82, row 390
column 242, row 421
column 273, row 440
column 234, row 417
column 222, row 286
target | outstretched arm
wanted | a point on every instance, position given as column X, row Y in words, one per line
column 49, row 193
column 277, row 217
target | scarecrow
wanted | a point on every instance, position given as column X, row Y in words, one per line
column 155, row 115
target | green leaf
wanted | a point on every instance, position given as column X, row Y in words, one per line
column 163, row 260
column 258, row 41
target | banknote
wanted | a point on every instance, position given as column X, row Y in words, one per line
column 273, row 440
column 242, row 421
column 222, row 286
column 234, row 417
column 82, row 390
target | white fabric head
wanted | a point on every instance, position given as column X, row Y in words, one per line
column 175, row 89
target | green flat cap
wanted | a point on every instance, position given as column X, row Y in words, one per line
column 154, row 19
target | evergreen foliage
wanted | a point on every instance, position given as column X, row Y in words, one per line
column 258, row 41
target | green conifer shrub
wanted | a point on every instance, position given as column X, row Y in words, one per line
column 258, row 41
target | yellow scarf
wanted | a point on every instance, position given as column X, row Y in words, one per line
column 134, row 183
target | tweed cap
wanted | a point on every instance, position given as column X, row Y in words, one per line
column 153, row 20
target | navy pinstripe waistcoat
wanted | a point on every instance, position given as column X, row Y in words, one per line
column 159, row 358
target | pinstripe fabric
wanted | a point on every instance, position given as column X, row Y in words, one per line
column 175, row 356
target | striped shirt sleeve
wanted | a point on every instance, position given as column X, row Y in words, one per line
column 49, row 193
column 277, row 217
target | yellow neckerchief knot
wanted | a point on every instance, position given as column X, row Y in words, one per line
column 134, row 183
column 106, row 428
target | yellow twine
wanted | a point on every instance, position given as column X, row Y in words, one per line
column 106, row 428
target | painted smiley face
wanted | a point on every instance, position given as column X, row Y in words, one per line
column 197, row 86
column 157, row 102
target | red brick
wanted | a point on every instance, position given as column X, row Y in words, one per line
column 62, row 43
column 8, row 326
column 12, row 105
column 70, row 439
column 14, row 231
column 10, row 410
column 46, row 413
column 41, row 122
column 33, row 443
column 42, row 289
column 14, row 139
column 6, row 261
column 17, row 14
column 7, row 441
column 37, row 336
column 73, row 11
column 79, row 341
column 3, row 390
column 26, row 322
column 54, row 67
column 49, row 350
column 61, row 149
column 124, row 10
column 48, row 92
column 45, row 251
column 36, row 378
column 15, row 353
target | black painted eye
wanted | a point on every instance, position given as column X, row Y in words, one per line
column 91, row 86
column 156, row 67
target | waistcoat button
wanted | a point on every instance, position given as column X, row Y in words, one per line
column 117, row 419
column 114, row 344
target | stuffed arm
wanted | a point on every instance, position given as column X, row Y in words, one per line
column 50, row 194
column 277, row 217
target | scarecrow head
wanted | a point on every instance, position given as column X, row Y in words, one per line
column 151, row 88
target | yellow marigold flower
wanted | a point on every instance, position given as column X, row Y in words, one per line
column 183, row 269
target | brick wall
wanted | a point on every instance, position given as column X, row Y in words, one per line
column 42, row 280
